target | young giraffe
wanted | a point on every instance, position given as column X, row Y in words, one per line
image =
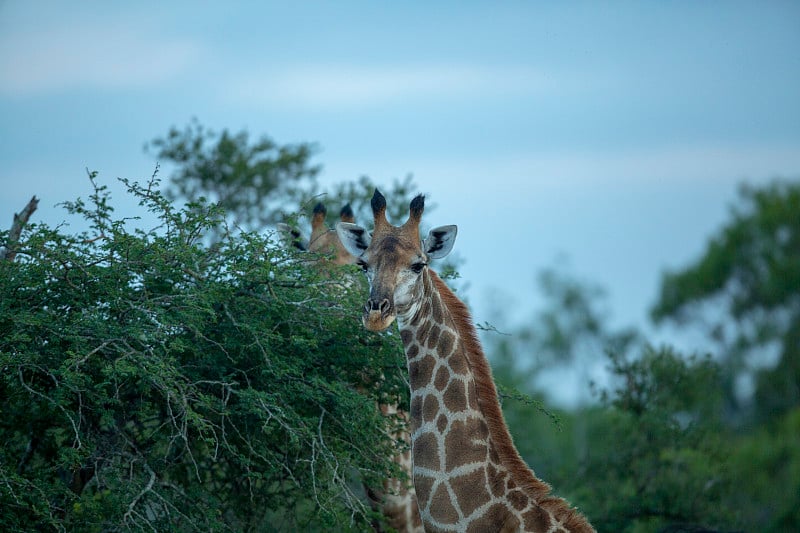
column 396, row 501
column 467, row 473
column 323, row 240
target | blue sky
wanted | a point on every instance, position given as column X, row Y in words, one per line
column 614, row 133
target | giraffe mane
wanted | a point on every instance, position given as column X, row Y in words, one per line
column 489, row 405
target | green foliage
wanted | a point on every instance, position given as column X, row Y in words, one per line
column 642, row 459
column 766, row 464
column 751, row 271
column 151, row 382
column 249, row 181
column 658, row 452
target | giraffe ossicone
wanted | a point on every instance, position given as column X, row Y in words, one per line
column 467, row 473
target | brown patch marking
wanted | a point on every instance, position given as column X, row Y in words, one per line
column 412, row 351
column 429, row 408
column 496, row 518
column 536, row 519
column 441, row 423
column 441, row 508
column 461, row 449
column 426, row 452
column 446, row 342
column 433, row 337
column 436, row 310
column 422, row 332
column 416, row 409
column 518, row 499
column 472, row 396
column 454, row 398
column 496, row 480
column 422, row 486
column 419, row 372
column 470, row 491
column 442, row 377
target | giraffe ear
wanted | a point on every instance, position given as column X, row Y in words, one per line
column 440, row 241
column 292, row 236
column 355, row 239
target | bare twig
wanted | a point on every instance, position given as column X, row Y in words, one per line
column 95, row 239
column 147, row 488
column 20, row 219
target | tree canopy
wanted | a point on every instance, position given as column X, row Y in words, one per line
column 658, row 451
column 746, row 288
column 250, row 181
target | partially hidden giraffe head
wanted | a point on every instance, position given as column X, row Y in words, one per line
column 323, row 240
column 394, row 259
column 326, row 241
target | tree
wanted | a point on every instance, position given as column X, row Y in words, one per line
column 250, row 181
column 8, row 253
column 746, row 287
column 570, row 330
column 149, row 381
column 652, row 454
column 657, row 457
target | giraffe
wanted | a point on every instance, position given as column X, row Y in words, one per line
column 322, row 240
column 396, row 500
column 467, row 473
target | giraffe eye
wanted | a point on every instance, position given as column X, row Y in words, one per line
column 416, row 268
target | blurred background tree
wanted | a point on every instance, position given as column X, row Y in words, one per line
column 250, row 181
column 635, row 453
column 660, row 450
column 260, row 183
column 745, row 290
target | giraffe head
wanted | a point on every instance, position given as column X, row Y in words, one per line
column 323, row 240
column 394, row 259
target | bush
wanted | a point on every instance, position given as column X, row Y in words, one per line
column 154, row 382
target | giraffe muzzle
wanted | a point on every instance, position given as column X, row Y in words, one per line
column 378, row 314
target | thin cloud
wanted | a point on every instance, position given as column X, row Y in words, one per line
column 542, row 174
column 354, row 86
column 79, row 58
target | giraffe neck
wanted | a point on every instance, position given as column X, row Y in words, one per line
column 398, row 501
column 467, row 473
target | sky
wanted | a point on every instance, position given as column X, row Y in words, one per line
column 614, row 134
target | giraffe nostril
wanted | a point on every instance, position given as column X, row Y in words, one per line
column 384, row 306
